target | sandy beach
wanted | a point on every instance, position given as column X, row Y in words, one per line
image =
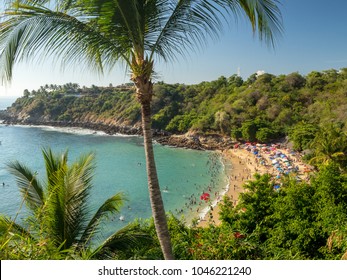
column 244, row 165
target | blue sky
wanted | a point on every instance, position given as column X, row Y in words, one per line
column 314, row 38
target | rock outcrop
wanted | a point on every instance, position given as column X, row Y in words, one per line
column 197, row 141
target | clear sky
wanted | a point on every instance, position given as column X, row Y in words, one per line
column 314, row 38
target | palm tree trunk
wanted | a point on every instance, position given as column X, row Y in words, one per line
column 157, row 204
column 144, row 93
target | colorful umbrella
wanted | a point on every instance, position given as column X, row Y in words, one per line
column 205, row 196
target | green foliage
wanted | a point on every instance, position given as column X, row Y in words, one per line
column 249, row 130
column 265, row 134
column 295, row 222
column 329, row 145
column 302, row 134
column 181, row 123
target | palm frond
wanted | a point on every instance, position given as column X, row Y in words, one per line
column 53, row 163
column 110, row 206
column 67, row 203
column 30, row 187
column 129, row 237
column 7, row 226
column 265, row 18
column 78, row 185
column 183, row 25
column 36, row 32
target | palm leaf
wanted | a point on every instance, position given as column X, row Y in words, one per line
column 67, row 202
column 77, row 193
column 36, row 32
column 265, row 17
column 30, row 188
column 53, row 163
column 183, row 25
column 129, row 237
column 110, row 206
column 7, row 226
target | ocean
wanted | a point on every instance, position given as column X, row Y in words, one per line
column 120, row 167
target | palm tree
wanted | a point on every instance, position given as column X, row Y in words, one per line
column 101, row 33
column 329, row 145
column 59, row 208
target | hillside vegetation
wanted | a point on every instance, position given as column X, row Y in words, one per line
column 261, row 108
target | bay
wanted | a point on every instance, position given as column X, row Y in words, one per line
column 120, row 167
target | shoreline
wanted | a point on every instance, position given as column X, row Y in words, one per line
column 108, row 129
column 236, row 175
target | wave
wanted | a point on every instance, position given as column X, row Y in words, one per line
column 72, row 130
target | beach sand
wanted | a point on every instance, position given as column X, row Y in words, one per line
column 244, row 166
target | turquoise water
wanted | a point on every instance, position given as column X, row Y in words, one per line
column 120, row 167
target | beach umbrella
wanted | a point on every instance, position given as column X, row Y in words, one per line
column 205, row 196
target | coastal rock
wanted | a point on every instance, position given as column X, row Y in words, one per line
column 3, row 114
column 197, row 142
column 108, row 127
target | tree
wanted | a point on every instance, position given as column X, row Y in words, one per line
column 101, row 33
column 329, row 145
column 249, row 130
column 302, row 134
column 59, row 209
column 295, row 80
column 315, row 80
column 222, row 121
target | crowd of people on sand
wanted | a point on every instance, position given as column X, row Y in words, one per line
column 277, row 159
column 250, row 158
